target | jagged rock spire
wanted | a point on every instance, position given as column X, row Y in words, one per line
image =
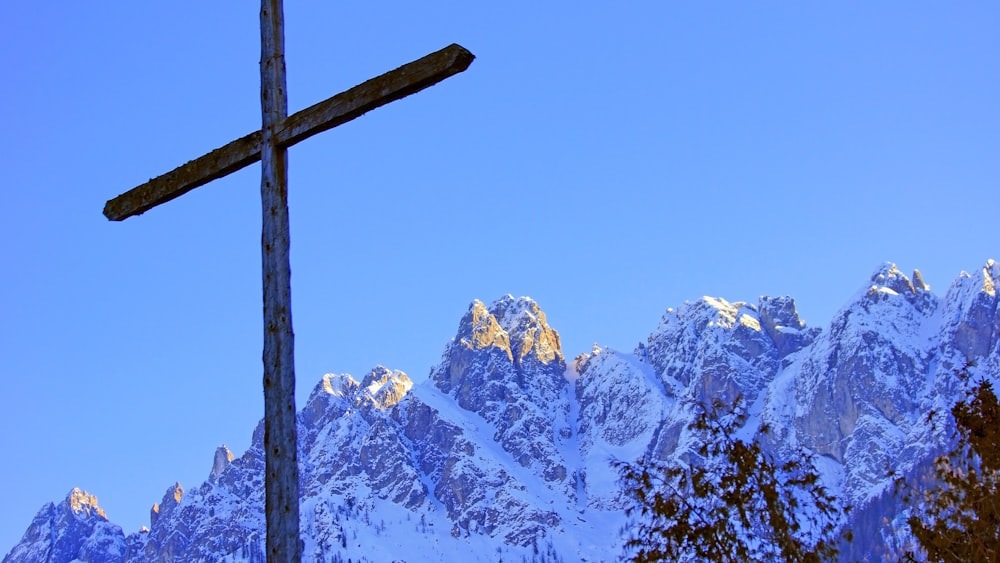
column 223, row 457
column 171, row 499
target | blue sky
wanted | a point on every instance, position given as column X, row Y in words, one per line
column 609, row 160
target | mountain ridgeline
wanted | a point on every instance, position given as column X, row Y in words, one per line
column 505, row 452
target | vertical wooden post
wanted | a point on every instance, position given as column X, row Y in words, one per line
column 280, row 444
column 270, row 144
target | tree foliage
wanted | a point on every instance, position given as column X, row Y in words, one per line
column 958, row 519
column 736, row 503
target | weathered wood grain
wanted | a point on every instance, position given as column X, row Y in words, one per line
column 281, row 482
column 376, row 92
column 336, row 110
column 222, row 161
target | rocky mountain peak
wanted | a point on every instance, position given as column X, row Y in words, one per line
column 529, row 333
column 512, row 333
column 386, row 387
column 480, row 329
column 82, row 502
column 888, row 281
column 170, row 500
column 379, row 389
column 712, row 348
column 515, row 326
column 972, row 310
column 869, row 371
column 890, row 277
column 337, row 384
column 223, row 457
column 990, row 276
column 77, row 529
column 780, row 320
column 779, row 313
column 711, row 312
column 506, row 365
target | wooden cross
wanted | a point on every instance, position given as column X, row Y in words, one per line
column 269, row 145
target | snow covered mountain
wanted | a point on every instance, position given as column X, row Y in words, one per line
column 504, row 452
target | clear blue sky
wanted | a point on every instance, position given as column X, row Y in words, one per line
column 608, row 159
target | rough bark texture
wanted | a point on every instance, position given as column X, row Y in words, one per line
column 281, row 482
column 336, row 110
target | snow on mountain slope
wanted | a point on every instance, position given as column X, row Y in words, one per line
column 75, row 529
column 621, row 406
column 505, row 452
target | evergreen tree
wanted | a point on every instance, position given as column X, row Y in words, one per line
column 736, row 503
column 958, row 519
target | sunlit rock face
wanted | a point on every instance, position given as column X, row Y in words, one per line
column 385, row 387
column 506, row 365
column 505, row 451
column 509, row 342
column 223, row 457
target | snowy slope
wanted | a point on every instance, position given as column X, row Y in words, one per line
column 505, row 452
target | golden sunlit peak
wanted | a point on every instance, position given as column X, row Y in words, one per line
column 990, row 271
column 83, row 502
column 178, row 492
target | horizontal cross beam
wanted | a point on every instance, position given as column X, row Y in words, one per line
column 345, row 106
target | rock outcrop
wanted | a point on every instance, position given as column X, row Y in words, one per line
column 76, row 529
